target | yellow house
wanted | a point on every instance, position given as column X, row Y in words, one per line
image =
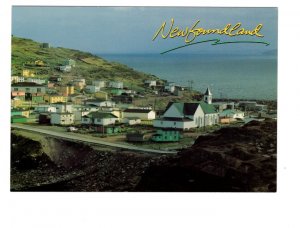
column 66, row 90
column 27, row 73
column 39, row 63
column 55, row 98
column 101, row 95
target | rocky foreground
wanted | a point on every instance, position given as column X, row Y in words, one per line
column 229, row 160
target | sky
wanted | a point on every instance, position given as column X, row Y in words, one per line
column 129, row 30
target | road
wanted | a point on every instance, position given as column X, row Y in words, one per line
column 81, row 138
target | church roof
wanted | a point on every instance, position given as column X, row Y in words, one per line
column 208, row 92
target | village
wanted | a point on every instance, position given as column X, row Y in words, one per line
column 114, row 112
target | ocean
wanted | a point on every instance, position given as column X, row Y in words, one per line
column 237, row 77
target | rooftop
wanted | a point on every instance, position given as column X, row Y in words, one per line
column 136, row 110
column 26, row 84
column 100, row 115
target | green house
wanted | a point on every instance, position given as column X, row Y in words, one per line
column 166, row 136
column 18, row 119
column 116, row 91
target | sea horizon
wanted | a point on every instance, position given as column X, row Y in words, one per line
column 252, row 77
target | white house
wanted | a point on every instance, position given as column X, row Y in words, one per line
column 99, row 83
column 28, row 87
column 170, row 87
column 45, row 108
column 143, row 114
column 99, row 118
column 66, row 68
column 63, row 107
column 79, row 111
column 234, row 114
column 39, row 81
column 115, row 84
column 62, row 118
column 92, row 88
column 131, row 120
column 187, row 115
column 100, row 103
column 150, row 83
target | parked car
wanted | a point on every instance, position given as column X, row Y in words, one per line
column 72, row 129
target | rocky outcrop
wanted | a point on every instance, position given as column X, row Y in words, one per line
column 231, row 159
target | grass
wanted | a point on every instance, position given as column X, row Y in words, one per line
column 88, row 66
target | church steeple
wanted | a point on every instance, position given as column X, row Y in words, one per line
column 208, row 96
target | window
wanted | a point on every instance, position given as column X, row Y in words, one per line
column 15, row 89
column 174, row 123
column 39, row 90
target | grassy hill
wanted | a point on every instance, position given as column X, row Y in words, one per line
column 25, row 52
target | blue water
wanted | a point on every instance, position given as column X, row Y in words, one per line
column 227, row 76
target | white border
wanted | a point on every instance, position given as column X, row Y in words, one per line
column 166, row 209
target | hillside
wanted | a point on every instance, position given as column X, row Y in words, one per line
column 25, row 52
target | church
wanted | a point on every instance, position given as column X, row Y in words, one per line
column 184, row 116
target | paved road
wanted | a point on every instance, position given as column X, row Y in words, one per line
column 82, row 138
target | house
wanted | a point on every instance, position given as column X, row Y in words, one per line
column 63, row 107
column 20, row 94
column 16, row 102
column 69, row 62
column 79, row 83
column 166, row 135
column 28, row 73
column 39, row 81
column 101, row 95
column 39, row 63
column 79, row 111
column 251, row 106
column 261, row 107
column 128, row 92
column 150, row 83
column 66, row 68
column 18, row 119
column 100, row 103
column 45, row 45
column 169, row 87
column 55, row 79
column 116, row 91
column 187, row 115
column 115, row 84
column 44, row 108
column 34, row 97
column 99, row 83
column 143, row 114
column 16, row 79
column 92, row 88
column 66, row 90
column 131, row 120
column 77, row 98
column 234, row 114
column 28, row 87
column 62, row 118
column 91, row 108
column 99, row 118
column 53, row 98
column 20, row 112
column 220, row 106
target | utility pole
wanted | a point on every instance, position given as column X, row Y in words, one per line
column 190, row 83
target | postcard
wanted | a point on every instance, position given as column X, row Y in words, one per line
column 143, row 99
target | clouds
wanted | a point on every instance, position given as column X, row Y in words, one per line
column 128, row 29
